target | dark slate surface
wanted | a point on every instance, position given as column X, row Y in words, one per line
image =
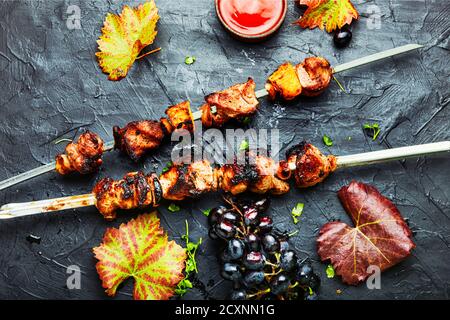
column 51, row 87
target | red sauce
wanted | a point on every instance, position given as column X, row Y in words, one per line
column 252, row 17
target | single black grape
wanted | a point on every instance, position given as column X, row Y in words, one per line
column 265, row 224
column 225, row 257
column 280, row 283
column 238, row 295
column 251, row 216
column 231, row 271
column 304, row 273
column 254, row 260
column 254, row 278
column 215, row 214
column 262, row 205
column 342, row 37
column 235, row 249
column 314, row 282
column 252, row 242
column 270, row 243
column 231, row 216
column 288, row 261
column 284, row 245
column 225, row 230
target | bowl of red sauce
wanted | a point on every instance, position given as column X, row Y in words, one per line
column 251, row 20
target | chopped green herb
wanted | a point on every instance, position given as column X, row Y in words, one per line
column 173, row 207
column 191, row 264
column 373, row 130
column 62, row 140
column 189, row 60
column 311, row 292
column 206, row 212
column 244, row 145
column 297, row 212
column 246, row 120
column 183, row 287
column 167, row 167
column 327, row 140
column 330, row 271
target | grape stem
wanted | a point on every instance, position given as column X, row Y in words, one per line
column 259, row 293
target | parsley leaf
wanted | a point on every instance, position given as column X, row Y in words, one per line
column 372, row 129
column 167, row 167
column 191, row 263
column 189, row 60
column 327, row 140
column 330, row 271
column 244, row 145
column 246, row 120
column 297, row 212
column 206, row 212
column 173, row 207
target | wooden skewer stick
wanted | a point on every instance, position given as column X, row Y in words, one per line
column 13, row 210
column 197, row 115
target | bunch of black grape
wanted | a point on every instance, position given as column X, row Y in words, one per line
column 258, row 259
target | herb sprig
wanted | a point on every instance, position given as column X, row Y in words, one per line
column 191, row 264
column 373, row 130
column 297, row 211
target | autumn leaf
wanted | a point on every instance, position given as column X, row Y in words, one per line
column 380, row 237
column 124, row 36
column 327, row 14
column 140, row 249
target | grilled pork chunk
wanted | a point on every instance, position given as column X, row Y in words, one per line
column 135, row 190
column 236, row 102
column 308, row 164
column 138, row 137
column 309, row 78
column 83, row 156
column 192, row 180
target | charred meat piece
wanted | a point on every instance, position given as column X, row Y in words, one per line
column 138, row 138
column 135, row 190
column 83, row 156
column 315, row 75
column 188, row 180
column 284, row 83
column 236, row 102
column 179, row 116
column 309, row 78
column 267, row 179
column 309, row 165
column 192, row 180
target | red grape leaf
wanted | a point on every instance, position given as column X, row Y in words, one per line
column 327, row 14
column 380, row 237
column 124, row 36
column 140, row 249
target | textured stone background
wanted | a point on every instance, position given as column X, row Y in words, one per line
column 51, row 87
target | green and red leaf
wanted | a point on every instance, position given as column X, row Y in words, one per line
column 140, row 249
column 327, row 14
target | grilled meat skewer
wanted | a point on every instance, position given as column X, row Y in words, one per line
column 309, row 78
column 140, row 137
column 136, row 190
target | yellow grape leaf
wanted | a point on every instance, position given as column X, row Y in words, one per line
column 124, row 36
column 327, row 14
column 140, row 249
